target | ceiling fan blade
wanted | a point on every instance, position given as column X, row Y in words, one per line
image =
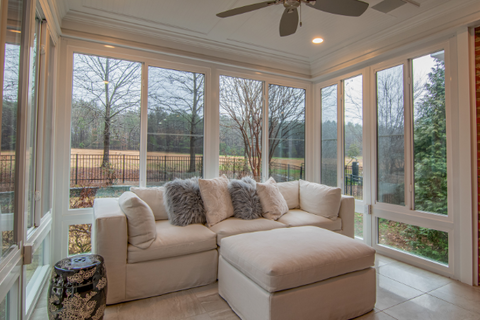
column 251, row 7
column 289, row 22
column 352, row 8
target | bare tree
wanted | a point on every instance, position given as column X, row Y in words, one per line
column 179, row 93
column 110, row 87
column 241, row 102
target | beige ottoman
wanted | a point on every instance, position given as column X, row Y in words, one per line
column 296, row 273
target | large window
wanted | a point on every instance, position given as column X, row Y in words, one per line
column 329, row 96
column 241, row 112
column 286, row 130
column 175, row 125
column 390, row 136
column 105, row 130
column 9, row 109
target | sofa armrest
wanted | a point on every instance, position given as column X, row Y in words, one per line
column 347, row 214
column 110, row 240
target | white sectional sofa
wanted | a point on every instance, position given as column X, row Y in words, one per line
column 182, row 257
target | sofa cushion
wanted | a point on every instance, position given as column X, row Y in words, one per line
column 299, row 218
column 140, row 220
column 273, row 203
column 291, row 192
column 183, row 202
column 233, row 226
column 216, row 199
column 245, row 200
column 287, row 258
column 154, row 198
column 320, row 199
column 173, row 241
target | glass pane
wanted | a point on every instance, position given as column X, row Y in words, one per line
column 79, row 238
column 175, row 125
column 48, row 135
column 286, row 119
column 430, row 134
column 241, row 103
column 9, row 123
column 426, row 243
column 329, row 135
column 353, row 137
column 390, row 136
column 33, row 270
column 105, row 128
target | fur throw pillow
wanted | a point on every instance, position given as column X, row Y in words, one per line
column 183, row 202
column 245, row 200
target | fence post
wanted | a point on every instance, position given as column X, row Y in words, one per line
column 76, row 169
column 123, row 180
column 234, row 167
column 165, row 168
column 301, row 171
column 288, row 172
column 201, row 168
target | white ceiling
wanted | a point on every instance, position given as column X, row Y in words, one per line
column 191, row 26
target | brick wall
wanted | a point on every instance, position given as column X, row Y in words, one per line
column 477, row 87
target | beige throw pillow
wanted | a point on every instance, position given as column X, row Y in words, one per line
column 320, row 199
column 216, row 199
column 154, row 198
column 140, row 220
column 290, row 191
column 273, row 203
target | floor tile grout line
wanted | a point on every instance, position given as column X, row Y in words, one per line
column 456, row 305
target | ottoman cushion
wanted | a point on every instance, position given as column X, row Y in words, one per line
column 287, row 258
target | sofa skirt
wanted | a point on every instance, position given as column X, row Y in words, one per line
column 153, row 278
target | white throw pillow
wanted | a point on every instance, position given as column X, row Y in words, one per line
column 140, row 220
column 290, row 191
column 273, row 204
column 320, row 199
column 216, row 199
column 154, row 198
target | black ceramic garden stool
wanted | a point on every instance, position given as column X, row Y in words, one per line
column 78, row 288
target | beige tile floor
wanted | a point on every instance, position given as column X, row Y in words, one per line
column 403, row 292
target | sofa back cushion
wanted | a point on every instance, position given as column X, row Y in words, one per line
column 183, row 202
column 273, row 203
column 320, row 199
column 216, row 198
column 245, row 200
column 291, row 192
column 140, row 220
column 154, row 198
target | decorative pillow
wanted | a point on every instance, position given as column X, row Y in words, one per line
column 154, row 198
column 320, row 199
column 183, row 202
column 245, row 200
column 141, row 222
column 216, row 198
column 273, row 203
column 290, row 191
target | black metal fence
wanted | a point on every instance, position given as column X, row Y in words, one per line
column 7, row 172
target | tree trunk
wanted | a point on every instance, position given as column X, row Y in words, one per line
column 106, row 130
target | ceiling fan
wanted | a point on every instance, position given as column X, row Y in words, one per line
column 289, row 21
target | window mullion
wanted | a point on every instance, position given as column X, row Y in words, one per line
column 143, row 127
column 340, row 136
column 265, row 131
column 409, row 162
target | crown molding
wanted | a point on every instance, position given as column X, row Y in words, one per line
column 187, row 45
column 440, row 20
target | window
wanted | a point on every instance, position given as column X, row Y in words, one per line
column 79, row 238
column 9, row 108
column 241, row 112
column 329, row 135
column 105, row 130
column 286, row 130
column 36, row 271
column 175, row 125
column 390, row 136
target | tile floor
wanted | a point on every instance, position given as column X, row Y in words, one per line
column 403, row 292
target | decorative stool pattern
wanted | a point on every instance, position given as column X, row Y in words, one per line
column 78, row 288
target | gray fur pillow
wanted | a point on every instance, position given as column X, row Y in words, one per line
column 183, row 202
column 245, row 200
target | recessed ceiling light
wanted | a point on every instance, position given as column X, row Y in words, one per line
column 317, row 40
column 108, row 46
